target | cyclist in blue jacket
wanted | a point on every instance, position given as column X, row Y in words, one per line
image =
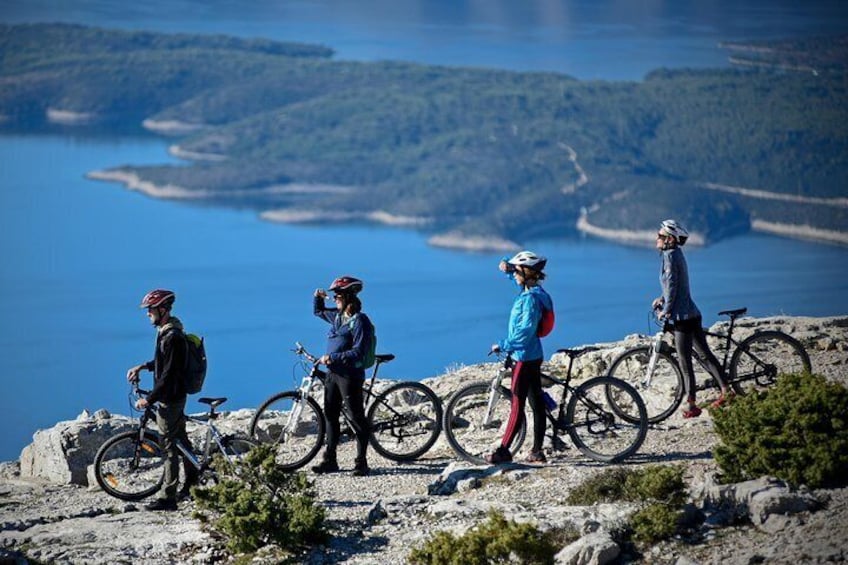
column 348, row 341
column 525, row 347
column 677, row 308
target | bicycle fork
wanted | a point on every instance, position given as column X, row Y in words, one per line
column 494, row 392
column 652, row 363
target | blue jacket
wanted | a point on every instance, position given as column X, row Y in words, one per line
column 347, row 341
column 522, row 340
column 674, row 278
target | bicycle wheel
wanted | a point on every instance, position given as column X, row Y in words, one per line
column 762, row 357
column 662, row 395
column 465, row 425
column 597, row 428
column 130, row 468
column 405, row 421
column 294, row 423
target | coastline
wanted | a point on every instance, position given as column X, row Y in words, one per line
column 642, row 238
column 454, row 239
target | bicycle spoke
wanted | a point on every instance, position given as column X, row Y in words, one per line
column 296, row 426
column 595, row 423
column 761, row 358
column 405, row 421
column 466, row 426
column 662, row 393
column 130, row 470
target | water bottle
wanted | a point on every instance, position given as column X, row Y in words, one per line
column 550, row 403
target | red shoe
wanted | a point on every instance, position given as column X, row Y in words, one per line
column 693, row 412
column 722, row 400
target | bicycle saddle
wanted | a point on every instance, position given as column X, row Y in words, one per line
column 575, row 353
column 733, row 313
column 213, row 402
column 384, row 358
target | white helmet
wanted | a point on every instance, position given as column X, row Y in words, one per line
column 678, row 232
column 528, row 259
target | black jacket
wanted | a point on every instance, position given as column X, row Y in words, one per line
column 168, row 364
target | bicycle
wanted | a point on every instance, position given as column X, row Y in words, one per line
column 131, row 465
column 404, row 419
column 755, row 364
column 477, row 414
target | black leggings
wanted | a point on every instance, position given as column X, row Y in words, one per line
column 526, row 383
column 689, row 335
column 338, row 391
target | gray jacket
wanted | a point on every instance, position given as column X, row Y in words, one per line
column 674, row 278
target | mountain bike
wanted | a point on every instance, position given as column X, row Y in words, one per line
column 477, row 414
column 404, row 419
column 131, row 465
column 755, row 363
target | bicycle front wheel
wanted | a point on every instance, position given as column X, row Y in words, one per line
column 762, row 357
column 129, row 466
column 662, row 394
column 596, row 425
column 294, row 423
column 474, row 430
column 405, row 421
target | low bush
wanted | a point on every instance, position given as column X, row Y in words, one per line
column 494, row 541
column 796, row 431
column 255, row 503
column 660, row 488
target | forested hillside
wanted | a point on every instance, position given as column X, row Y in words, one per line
column 477, row 152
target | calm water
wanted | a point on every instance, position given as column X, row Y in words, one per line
column 608, row 39
column 80, row 254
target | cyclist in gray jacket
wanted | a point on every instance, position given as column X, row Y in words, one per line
column 677, row 308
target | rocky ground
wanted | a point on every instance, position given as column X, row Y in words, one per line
column 377, row 519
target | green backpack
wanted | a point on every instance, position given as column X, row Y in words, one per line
column 371, row 352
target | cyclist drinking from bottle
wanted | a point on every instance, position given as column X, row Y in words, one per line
column 348, row 341
column 677, row 308
column 525, row 347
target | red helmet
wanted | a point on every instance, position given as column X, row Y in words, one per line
column 346, row 285
column 158, row 297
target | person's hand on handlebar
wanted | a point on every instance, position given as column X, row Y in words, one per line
column 324, row 360
column 141, row 403
column 133, row 374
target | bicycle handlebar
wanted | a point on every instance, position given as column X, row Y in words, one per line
column 300, row 350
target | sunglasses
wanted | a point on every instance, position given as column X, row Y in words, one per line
column 337, row 297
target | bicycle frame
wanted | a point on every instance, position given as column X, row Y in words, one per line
column 659, row 345
column 213, row 435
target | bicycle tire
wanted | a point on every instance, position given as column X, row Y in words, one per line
column 295, row 447
column 405, row 421
column 120, row 476
column 463, row 423
column 762, row 357
column 665, row 392
column 597, row 429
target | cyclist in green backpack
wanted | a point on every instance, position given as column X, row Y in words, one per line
column 168, row 367
column 349, row 345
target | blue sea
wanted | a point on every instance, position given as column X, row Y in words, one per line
column 79, row 254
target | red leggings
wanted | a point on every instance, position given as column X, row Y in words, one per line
column 526, row 382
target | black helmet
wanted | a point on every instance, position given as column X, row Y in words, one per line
column 346, row 285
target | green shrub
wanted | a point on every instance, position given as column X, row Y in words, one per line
column 660, row 487
column 796, row 431
column 494, row 541
column 661, row 483
column 655, row 522
column 256, row 503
